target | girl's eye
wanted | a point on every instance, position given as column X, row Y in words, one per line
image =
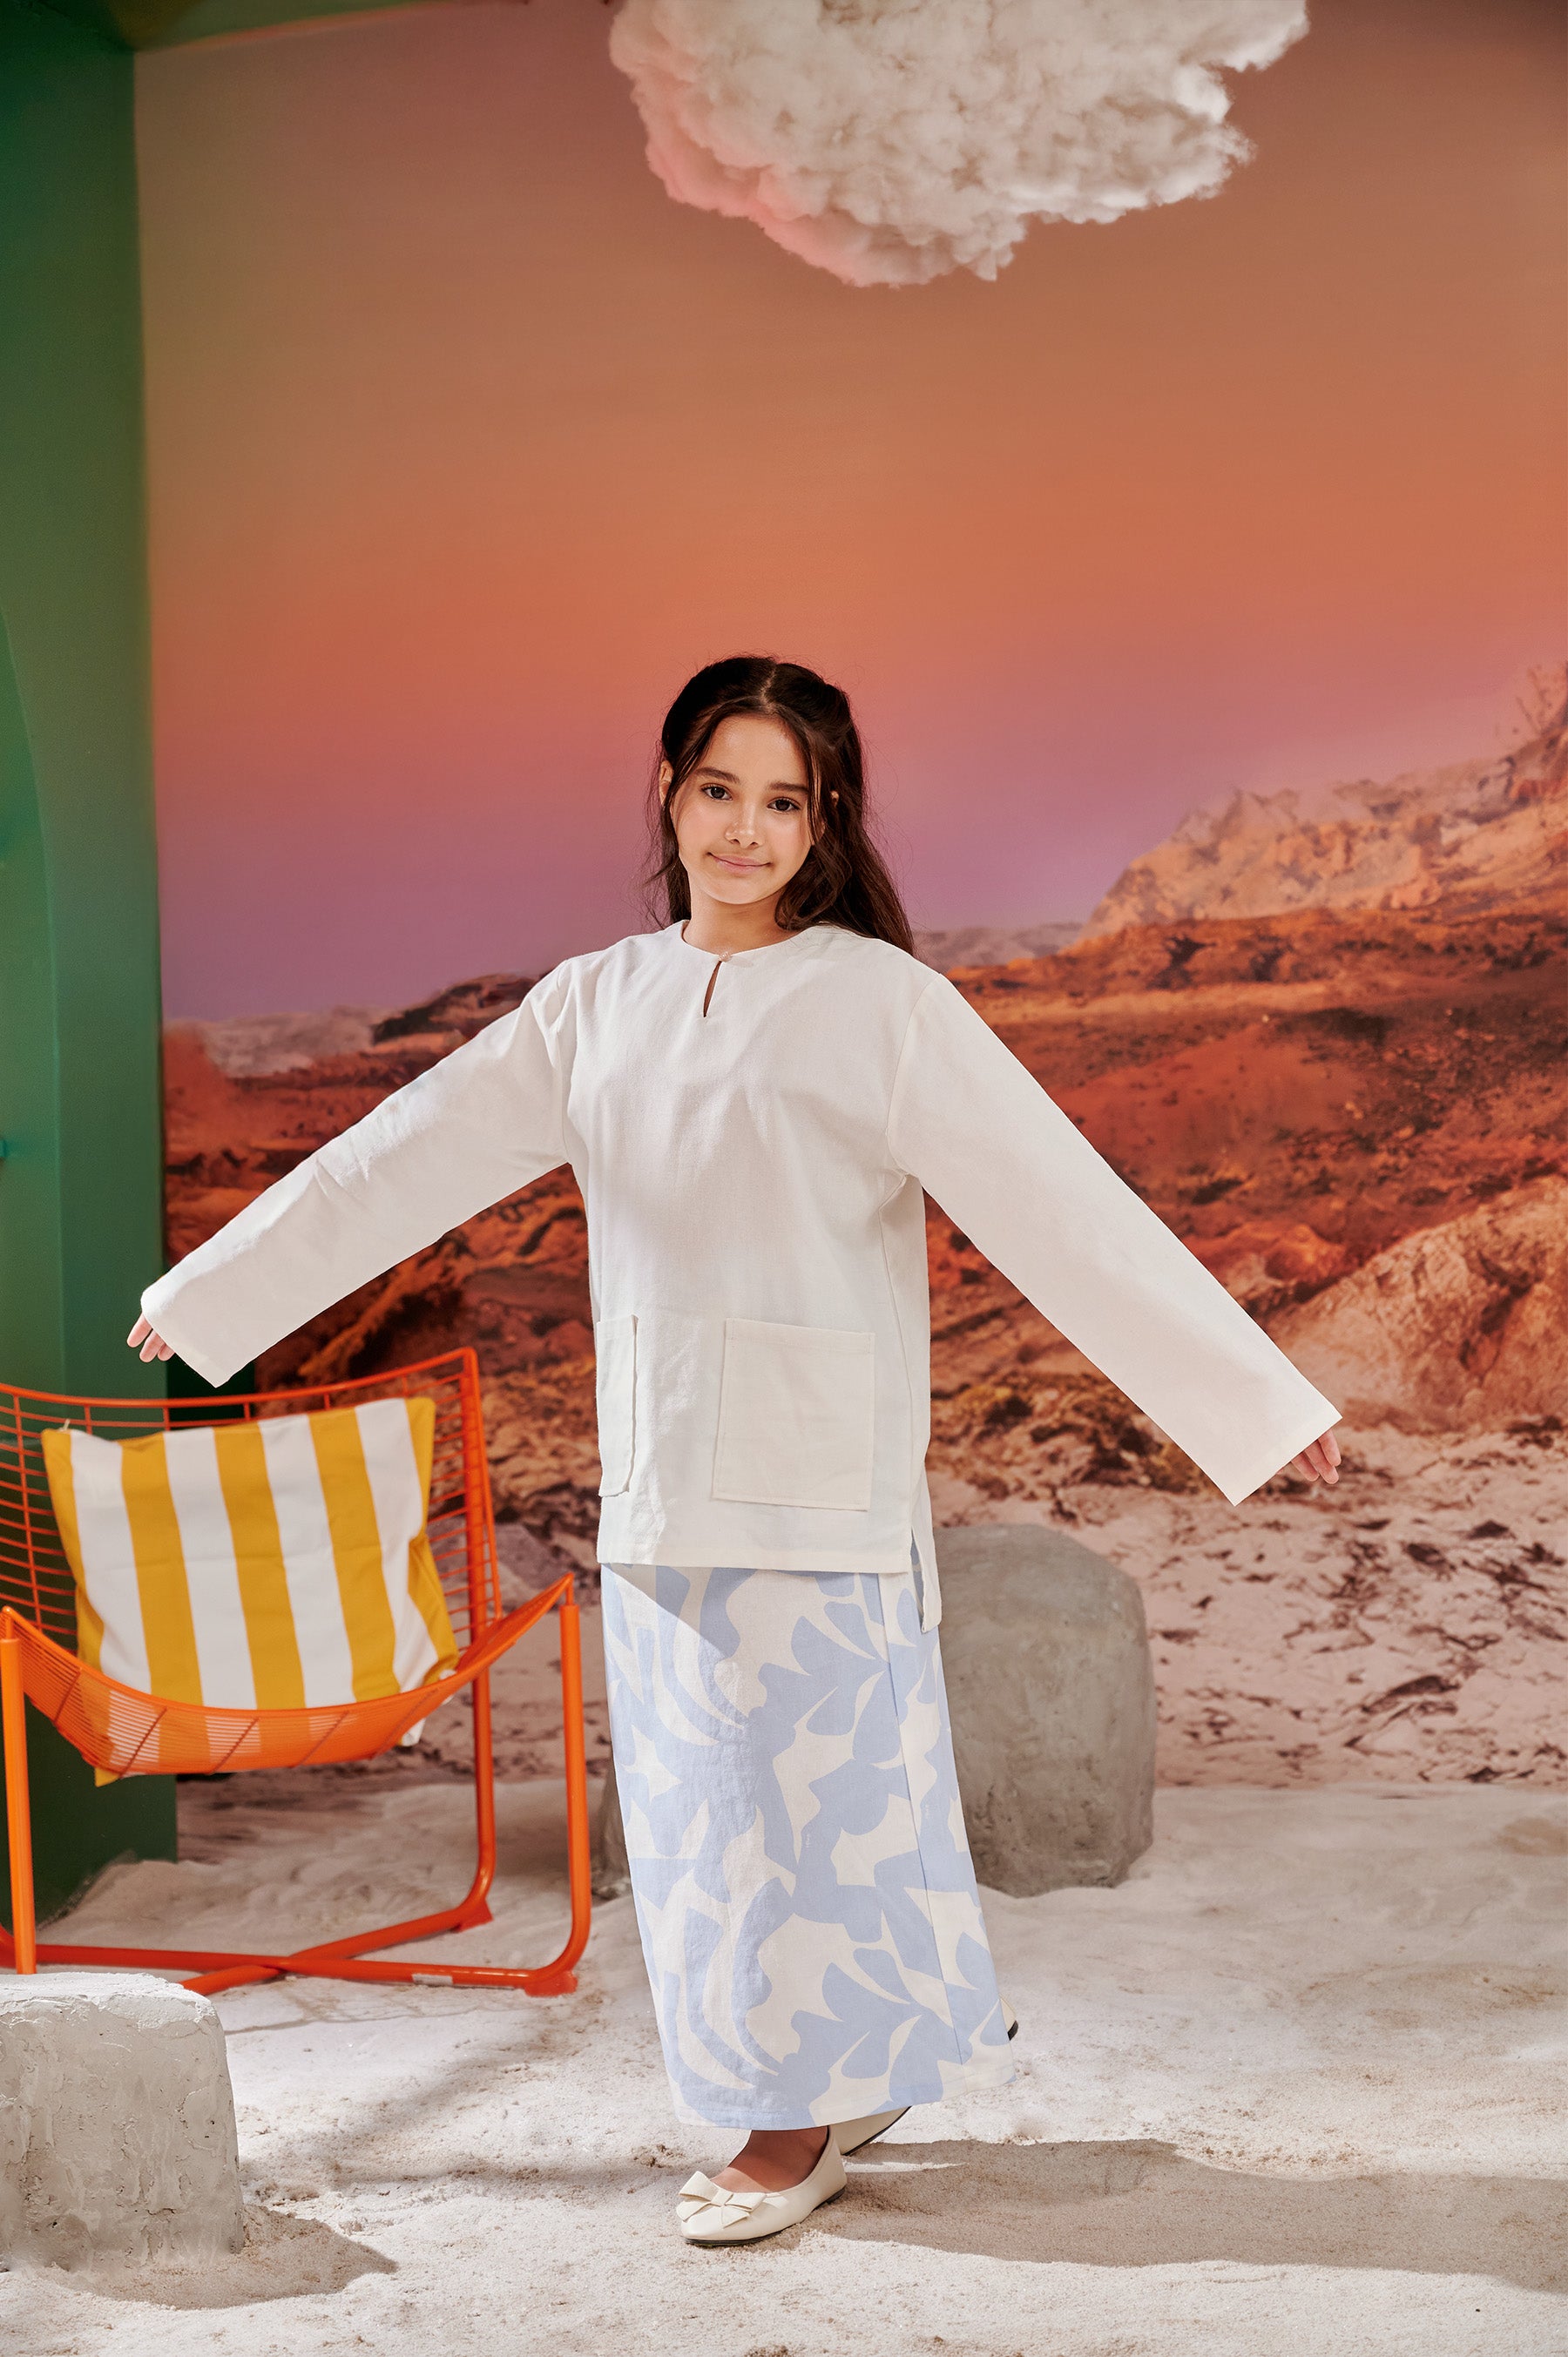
column 719, row 793
column 782, row 803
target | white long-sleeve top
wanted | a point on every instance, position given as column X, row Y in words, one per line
column 757, row 1243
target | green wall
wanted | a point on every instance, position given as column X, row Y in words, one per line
column 81, row 1182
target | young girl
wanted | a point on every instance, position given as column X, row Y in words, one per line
column 754, row 1101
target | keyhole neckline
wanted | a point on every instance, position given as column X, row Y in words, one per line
column 792, row 943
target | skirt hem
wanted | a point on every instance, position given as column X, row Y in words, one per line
column 973, row 2079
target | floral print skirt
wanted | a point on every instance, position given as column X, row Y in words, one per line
column 800, row 1867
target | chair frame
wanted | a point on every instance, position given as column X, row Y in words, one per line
column 34, row 1666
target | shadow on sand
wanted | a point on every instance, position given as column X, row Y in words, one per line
column 1125, row 2205
column 283, row 2256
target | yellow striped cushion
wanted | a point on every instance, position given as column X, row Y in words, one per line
column 261, row 1565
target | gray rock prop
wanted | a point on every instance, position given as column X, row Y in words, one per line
column 116, row 2120
column 611, row 1876
column 1051, row 1692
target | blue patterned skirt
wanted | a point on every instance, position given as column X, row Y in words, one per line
column 799, row 1863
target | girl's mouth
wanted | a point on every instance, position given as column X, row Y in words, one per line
column 741, row 867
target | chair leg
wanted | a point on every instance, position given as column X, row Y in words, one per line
column 476, row 1907
column 18, row 1814
column 353, row 1958
column 559, row 1976
column 579, row 1835
column 348, row 1959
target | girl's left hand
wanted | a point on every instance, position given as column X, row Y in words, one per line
column 146, row 1343
column 1319, row 1461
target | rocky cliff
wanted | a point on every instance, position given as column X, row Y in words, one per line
column 1481, row 835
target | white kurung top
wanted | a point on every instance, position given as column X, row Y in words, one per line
column 757, row 1242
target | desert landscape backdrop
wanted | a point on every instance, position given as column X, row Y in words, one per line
column 1322, row 1035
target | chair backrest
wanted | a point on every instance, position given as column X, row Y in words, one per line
column 35, row 1579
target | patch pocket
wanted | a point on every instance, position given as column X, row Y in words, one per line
column 615, row 1381
column 795, row 1416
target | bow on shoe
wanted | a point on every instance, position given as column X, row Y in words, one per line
column 701, row 2199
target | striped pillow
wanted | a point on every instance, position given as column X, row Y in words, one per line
column 264, row 1565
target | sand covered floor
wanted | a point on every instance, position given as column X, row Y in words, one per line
column 1411, row 1623
column 1292, row 2089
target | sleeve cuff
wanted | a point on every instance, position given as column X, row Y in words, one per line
column 208, row 1369
column 1263, row 1469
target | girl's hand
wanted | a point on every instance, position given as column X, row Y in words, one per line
column 1317, row 1462
column 152, row 1344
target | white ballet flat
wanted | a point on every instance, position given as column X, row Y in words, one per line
column 850, row 2135
column 707, row 2213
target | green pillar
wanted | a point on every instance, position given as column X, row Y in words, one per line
column 80, row 1181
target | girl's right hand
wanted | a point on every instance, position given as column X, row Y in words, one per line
column 153, row 1345
column 1320, row 1460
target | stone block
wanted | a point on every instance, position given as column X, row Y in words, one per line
column 611, row 1875
column 116, row 2120
column 1051, row 1692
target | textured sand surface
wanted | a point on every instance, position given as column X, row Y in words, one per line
column 1412, row 1622
column 1290, row 2088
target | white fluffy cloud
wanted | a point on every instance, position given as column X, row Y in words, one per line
column 889, row 141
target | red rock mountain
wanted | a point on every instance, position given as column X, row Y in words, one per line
column 1299, row 1097
column 1483, row 836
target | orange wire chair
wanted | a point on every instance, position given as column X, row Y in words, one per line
column 116, row 1729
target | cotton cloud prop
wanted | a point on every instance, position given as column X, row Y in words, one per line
column 889, row 141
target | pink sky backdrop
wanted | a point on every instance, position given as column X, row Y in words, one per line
column 468, row 445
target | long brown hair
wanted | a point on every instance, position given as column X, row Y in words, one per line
column 843, row 879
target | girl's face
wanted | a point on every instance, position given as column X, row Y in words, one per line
column 742, row 818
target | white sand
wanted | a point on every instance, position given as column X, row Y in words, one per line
column 1408, row 1624
column 1286, row 2093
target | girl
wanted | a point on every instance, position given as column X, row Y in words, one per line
column 754, row 1100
